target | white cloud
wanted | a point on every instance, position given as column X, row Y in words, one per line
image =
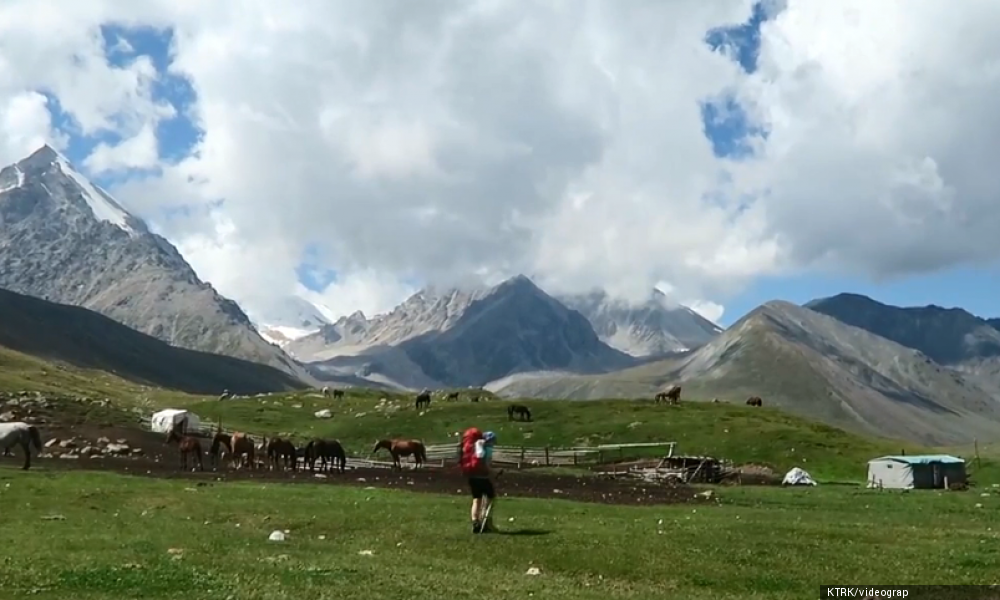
column 560, row 139
column 137, row 152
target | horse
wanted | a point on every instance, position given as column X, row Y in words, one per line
column 473, row 398
column 402, row 448
column 325, row 391
column 423, row 398
column 673, row 395
column 519, row 409
column 222, row 443
column 338, row 393
column 243, row 446
column 452, row 396
column 19, row 432
column 187, row 444
column 279, row 450
column 755, row 401
column 328, row 452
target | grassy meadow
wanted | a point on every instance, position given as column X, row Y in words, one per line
column 98, row 535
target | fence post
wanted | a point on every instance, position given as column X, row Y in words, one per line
column 546, row 456
column 522, row 458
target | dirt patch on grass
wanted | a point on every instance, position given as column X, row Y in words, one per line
column 149, row 456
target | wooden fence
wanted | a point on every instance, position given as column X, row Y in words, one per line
column 507, row 456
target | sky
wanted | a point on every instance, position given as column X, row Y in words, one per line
column 729, row 152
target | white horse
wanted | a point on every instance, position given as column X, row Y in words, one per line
column 20, row 433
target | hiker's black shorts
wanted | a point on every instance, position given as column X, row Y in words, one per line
column 481, row 486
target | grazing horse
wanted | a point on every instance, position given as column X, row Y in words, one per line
column 187, row 444
column 673, row 395
column 452, row 396
column 18, row 432
column 338, row 393
column 243, row 447
column 326, row 391
column 423, row 398
column 281, row 450
column 755, row 401
column 519, row 409
column 403, row 448
column 328, row 452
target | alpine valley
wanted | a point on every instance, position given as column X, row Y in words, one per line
column 86, row 282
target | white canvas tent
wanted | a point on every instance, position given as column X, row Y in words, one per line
column 930, row 471
column 798, row 476
column 162, row 421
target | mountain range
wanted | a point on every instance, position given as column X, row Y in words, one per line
column 69, row 250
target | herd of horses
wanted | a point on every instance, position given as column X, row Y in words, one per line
column 673, row 396
column 243, row 452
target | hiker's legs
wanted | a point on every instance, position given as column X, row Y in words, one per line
column 491, row 497
column 476, row 487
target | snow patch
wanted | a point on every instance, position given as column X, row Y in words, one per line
column 101, row 203
column 18, row 183
column 282, row 335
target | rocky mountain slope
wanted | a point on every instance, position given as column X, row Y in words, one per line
column 82, row 338
column 462, row 337
column 654, row 327
column 809, row 364
column 952, row 337
column 65, row 240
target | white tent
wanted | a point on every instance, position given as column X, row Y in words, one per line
column 798, row 476
column 162, row 421
column 931, row 471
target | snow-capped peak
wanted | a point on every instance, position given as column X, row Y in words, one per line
column 100, row 202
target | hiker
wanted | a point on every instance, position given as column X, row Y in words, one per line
column 476, row 454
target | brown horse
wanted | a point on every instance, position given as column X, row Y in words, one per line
column 403, row 448
column 673, row 395
column 328, row 452
column 243, row 448
column 519, row 409
column 452, row 396
column 187, row 444
column 280, row 450
column 222, row 445
column 423, row 398
column 338, row 393
column 755, row 401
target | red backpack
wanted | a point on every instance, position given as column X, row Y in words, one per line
column 469, row 462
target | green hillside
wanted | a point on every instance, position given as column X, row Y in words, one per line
column 736, row 432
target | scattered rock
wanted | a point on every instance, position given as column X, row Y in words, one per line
column 366, row 553
column 276, row 536
column 118, row 448
column 52, row 442
column 102, row 441
column 533, row 571
column 53, row 518
column 324, row 414
column 8, row 417
column 69, row 455
column 67, row 444
column 707, row 494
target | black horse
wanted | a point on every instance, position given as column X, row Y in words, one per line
column 327, row 452
column 423, row 398
column 521, row 410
